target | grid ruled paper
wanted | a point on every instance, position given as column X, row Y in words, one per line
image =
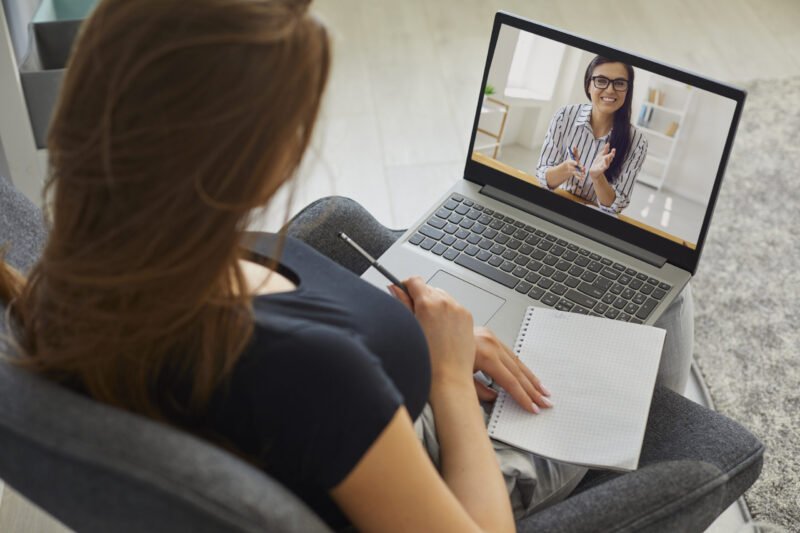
column 601, row 374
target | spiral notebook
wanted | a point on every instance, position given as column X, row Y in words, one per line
column 601, row 374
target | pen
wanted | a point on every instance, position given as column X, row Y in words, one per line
column 571, row 156
column 373, row 262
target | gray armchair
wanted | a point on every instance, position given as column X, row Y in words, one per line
column 97, row 468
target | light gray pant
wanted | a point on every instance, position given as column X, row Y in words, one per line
column 534, row 482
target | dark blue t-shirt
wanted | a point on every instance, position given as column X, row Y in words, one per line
column 328, row 366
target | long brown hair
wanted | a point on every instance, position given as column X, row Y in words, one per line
column 176, row 119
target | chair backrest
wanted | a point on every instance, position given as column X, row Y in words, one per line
column 97, row 468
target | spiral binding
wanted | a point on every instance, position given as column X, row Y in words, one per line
column 500, row 403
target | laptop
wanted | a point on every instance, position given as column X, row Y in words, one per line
column 501, row 239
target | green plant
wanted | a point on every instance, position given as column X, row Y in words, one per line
column 489, row 90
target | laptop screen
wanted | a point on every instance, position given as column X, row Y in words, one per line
column 627, row 142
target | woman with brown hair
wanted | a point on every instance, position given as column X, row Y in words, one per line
column 175, row 122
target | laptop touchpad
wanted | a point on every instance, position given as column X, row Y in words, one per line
column 482, row 304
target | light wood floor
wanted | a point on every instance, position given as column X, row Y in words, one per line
column 406, row 76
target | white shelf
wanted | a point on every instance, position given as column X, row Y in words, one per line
column 678, row 112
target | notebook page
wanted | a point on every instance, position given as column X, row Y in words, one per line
column 601, row 374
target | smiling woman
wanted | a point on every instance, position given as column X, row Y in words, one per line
column 596, row 141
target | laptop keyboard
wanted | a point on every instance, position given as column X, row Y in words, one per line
column 548, row 269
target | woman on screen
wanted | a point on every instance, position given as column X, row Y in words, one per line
column 592, row 150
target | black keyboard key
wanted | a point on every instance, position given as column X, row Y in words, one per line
column 510, row 255
column 508, row 219
column 631, row 308
column 427, row 244
column 638, row 298
column 488, row 211
column 580, row 298
column 559, row 277
column 519, row 224
column 484, row 219
column 450, row 204
column 609, row 273
column 628, row 293
column 594, row 266
column 460, row 245
column 496, row 261
column 483, row 255
column 472, row 250
column 591, row 290
column 462, row 210
column 462, row 233
column 485, row 244
column 535, row 265
column 455, row 218
column 450, row 228
column 433, row 233
column 558, row 289
column 490, row 233
column 550, row 260
column 569, row 256
column 522, row 260
column 514, row 244
column 484, row 269
column 545, row 283
column 601, row 307
column 647, row 288
column 439, row 249
column 478, row 228
column 447, row 240
column 544, row 245
column 540, row 233
column 619, row 303
column 521, row 234
column 588, row 276
column 523, row 287
column 624, row 317
column 497, row 249
column 624, row 279
column 564, row 305
column 618, row 266
column 572, row 282
column 551, row 238
column 612, row 313
column 550, row 299
column 573, row 247
column 468, row 202
column 467, row 223
column 546, row 271
column 664, row 286
column 538, row 254
column 479, row 207
column 653, row 281
column 606, row 261
column 646, row 309
column 576, row 271
column 473, row 215
column 561, row 242
column 583, row 251
column 563, row 266
column 496, row 224
column 641, row 276
column 536, row 293
column 525, row 249
column 416, row 238
column 631, row 272
column 532, row 277
column 617, row 288
column 474, row 239
column 450, row 254
column 609, row 298
column 501, row 238
column 442, row 213
column 635, row 284
column 456, row 197
column 533, row 240
column 529, row 228
column 558, row 250
column 594, row 257
column 636, row 321
column 520, row 272
column 509, row 229
column 507, row 266
column 580, row 310
column 582, row 261
column 658, row 294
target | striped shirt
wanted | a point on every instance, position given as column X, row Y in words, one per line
column 570, row 128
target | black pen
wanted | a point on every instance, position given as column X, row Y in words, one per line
column 373, row 262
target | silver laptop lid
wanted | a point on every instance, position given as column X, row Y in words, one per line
column 541, row 133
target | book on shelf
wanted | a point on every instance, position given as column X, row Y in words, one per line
column 671, row 129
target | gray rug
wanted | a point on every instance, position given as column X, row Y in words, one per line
column 747, row 294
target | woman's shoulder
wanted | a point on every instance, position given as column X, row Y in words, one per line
column 572, row 111
column 638, row 138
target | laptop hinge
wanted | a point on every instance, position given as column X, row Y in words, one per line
column 573, row 225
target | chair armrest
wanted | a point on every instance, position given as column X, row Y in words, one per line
column 694, row 464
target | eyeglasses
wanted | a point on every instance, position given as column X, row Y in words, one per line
column 601, row 82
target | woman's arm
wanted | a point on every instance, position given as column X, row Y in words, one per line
column 395, row 487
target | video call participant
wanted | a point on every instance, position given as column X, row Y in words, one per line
column 596, row 140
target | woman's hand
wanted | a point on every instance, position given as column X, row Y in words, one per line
column 602, row 161
column 495, row 359
column 447, row 327
column 571, row 168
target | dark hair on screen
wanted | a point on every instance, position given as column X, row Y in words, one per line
column 620, row 138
